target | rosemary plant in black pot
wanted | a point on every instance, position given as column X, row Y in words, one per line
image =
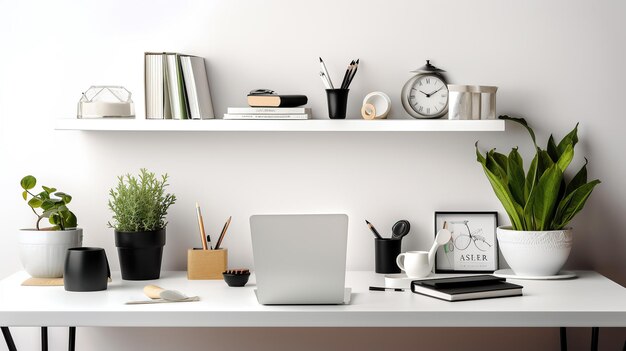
column 139, row 205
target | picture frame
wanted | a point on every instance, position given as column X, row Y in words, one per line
column 473, row 247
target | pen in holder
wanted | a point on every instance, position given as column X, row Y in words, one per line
column 385, row 252
column 206, row 264
column 337, row 103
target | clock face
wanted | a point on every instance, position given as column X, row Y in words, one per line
column 427, row 96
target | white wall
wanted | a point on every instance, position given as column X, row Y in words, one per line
column 556, row 63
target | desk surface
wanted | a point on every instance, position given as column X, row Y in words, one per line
column 590, row 300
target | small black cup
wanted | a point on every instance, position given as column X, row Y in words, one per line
column 337, row 103
column 86, row 269
column 385, row 252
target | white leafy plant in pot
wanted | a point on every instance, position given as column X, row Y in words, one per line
column 43, row 250
column 539, row 202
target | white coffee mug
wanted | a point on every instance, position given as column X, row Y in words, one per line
column 414, row 263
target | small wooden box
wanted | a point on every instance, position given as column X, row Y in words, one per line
column 206, row 264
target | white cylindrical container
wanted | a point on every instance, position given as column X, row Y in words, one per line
column 459, row 102
column 488, row 102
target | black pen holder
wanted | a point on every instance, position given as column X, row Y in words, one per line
column 385, row 252
column 337, row 103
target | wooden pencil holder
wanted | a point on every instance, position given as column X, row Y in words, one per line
column 206, row 264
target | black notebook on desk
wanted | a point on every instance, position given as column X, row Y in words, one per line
column 466, row 288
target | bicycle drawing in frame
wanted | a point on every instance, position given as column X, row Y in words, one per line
column 473, row 247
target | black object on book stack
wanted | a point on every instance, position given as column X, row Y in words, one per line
column 176, row 87
column 268, row 98
column 466, row 288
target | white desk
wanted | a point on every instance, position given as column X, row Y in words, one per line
column 588, row 301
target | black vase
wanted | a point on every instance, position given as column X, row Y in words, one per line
column 140, row 254
column 86, row 269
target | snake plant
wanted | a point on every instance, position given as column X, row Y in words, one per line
column 541, row 198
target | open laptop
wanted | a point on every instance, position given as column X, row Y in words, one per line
column 300, row 259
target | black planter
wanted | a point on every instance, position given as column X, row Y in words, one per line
column 140, row 254
column 86, row 269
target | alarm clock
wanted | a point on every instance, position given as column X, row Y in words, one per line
column 425, row 95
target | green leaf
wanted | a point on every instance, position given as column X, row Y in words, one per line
column 530, row 178
column 28, row 182
column 502, row 192
column 44, row 195
column 570, row 138
column 48, row 213
column 35, row 202
column 497, row 164
column 48, row 190
column 553, row 150
column 524, row 124
column 544, row 197
column 55, row 218
column 25, row 194
column 566, row 157
column 545, row 162
column 69, row 220
column 67, row 199
column 572, row 204
column 579, row 180
column 47, row 204
column 515, row 176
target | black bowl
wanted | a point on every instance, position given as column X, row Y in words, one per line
column 236, row 279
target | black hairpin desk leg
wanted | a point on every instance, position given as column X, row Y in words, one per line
column 72, row 340
column 8, row 338
column 563, row 333
column 44, row 338
column 595, row 333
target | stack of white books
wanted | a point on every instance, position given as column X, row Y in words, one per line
column 268, row 113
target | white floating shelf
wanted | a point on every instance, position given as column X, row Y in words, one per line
column 311, row 125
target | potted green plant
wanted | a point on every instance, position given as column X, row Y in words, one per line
column 139, row 205
column 540, row 202
column 42, row 250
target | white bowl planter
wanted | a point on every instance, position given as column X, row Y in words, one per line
column 42, row 252
column 535, row 253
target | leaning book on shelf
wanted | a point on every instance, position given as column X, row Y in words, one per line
column 175, row 87
column 197, row 87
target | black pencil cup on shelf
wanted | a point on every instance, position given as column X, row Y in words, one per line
column 337, row 103
column 385, row 252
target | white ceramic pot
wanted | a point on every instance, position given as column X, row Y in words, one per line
column 535, row 253
column 42, row 252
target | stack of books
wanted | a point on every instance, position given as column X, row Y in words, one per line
column 176, row 87
column 282, row 113
column 466, row 288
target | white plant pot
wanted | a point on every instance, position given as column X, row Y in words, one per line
column 535, row 253
column 42, row 252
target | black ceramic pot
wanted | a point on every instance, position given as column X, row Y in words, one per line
column 86, row 269
column 140, row 254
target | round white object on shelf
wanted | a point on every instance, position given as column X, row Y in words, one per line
column 381, row 103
